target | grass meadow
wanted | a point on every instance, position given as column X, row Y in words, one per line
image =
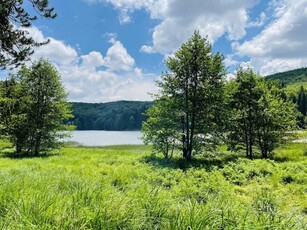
column 125, row 187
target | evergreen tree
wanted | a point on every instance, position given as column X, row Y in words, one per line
column 302, row 101
column 15, row 43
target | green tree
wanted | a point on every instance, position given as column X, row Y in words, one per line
column 131, row 124
column 194, row 85
column 259, row 116
column 13, row 105
column 274, row 117
column 47, row 109
column 243, row 104
column 15, row 43
column 36, row 109
column 302, row 101
column 161, row 129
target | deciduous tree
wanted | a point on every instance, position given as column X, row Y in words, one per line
column 35, row 110
column 274, row 117
column 193, row 85
column 243, row 113
column 161, row 127
column 258, row 114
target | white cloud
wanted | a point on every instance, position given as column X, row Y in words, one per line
column 180, row 18
column 156, row 8
column 124, row 17
column 94, row 77
column 57, row 51
column 147, row 49
column 259, row 21
column 93, row 59
column 117, row 57
column 282, row 44
column 230, row 61
column 212, row 18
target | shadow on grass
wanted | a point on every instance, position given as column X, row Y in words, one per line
column 8, row 153
column 207, row 163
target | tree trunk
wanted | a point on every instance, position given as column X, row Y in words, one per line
column 184, row 149
column 250, row 151
column 18, row 148
column 264, row 154
column 37, row 145
column 246, row 145
column 250, row 140
column 264, row 151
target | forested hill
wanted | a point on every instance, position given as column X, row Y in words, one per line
column 119, row 115
column 294, row 84
column 290, row 77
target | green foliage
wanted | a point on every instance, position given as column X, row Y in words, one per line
column 243, row 104
column 258, row 114
column 119, row 115
column 123, row 187
column 289, row 77
column 15, row 44
column 13, row 104
column 34, row 108
column 294, row 83
column 193, row 85
column 160, row 128
column 302, row 101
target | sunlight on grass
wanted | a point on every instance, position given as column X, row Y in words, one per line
column 125, row 187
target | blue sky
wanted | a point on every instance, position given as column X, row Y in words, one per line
column 109, row 50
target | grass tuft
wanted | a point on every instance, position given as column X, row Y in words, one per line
column 125, row 187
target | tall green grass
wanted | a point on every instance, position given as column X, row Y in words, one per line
column 125, row 187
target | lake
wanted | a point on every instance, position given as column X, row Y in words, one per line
column 103, row 138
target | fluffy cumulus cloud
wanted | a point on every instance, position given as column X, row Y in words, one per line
column 156, row 8
column 180, row 18
column 118, row 58
column 57, row 51
column 279, row 46
column 94, row 77
column 282, row 44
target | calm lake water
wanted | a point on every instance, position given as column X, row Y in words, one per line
column 102, row 138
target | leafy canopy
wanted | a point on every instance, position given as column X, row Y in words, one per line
column 192, row 88
column 258, row 115
column 34, row 108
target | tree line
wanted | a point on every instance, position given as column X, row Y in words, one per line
column 293, row 84
column 289, row 77
column 120, row 115
column 196, row 109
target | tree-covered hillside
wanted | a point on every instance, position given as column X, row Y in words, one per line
column 294, row 84
column 290, row 77
column 120, row 115
column 128, row 115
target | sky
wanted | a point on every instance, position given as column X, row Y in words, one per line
column 109, row 50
